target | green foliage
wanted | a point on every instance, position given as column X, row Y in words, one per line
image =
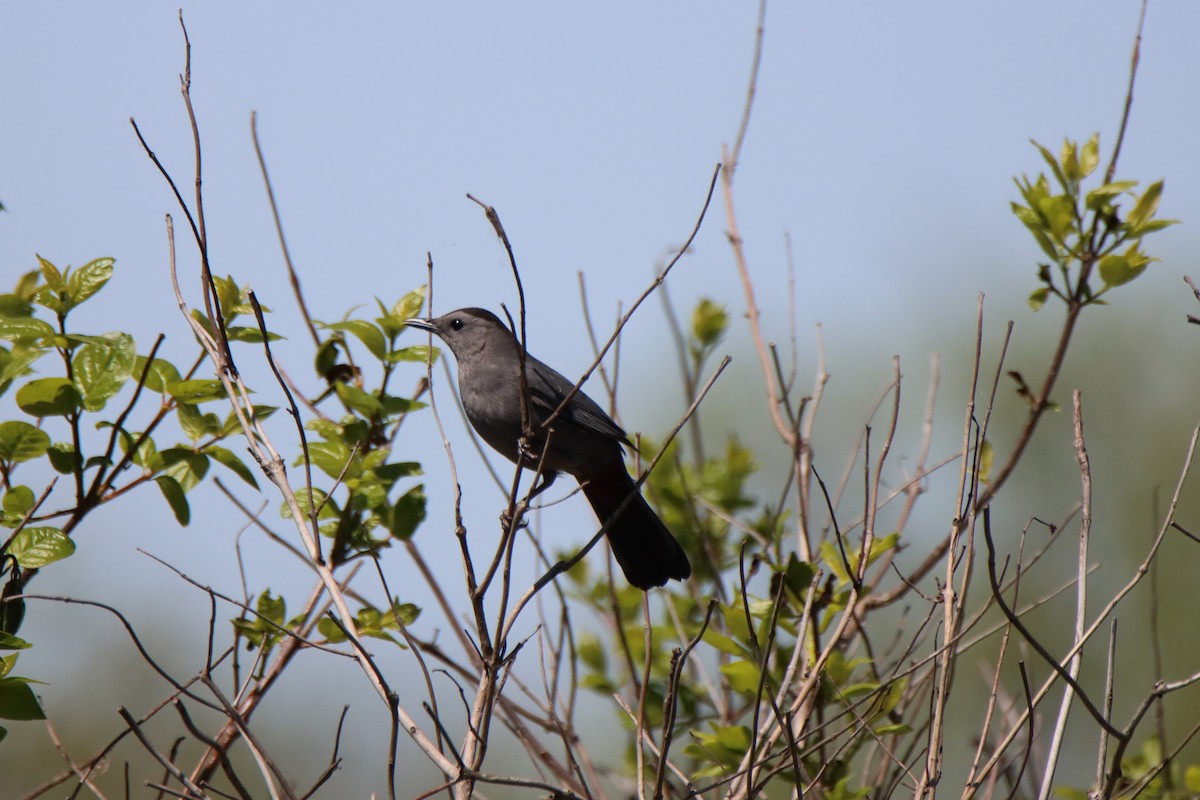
column 358, row 511
column 268, row 625
column 1082, row 231
column 710, row 322
column 1155, row 777
column 374, row 623
column 68, row 381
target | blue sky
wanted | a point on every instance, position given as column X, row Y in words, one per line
column 883, row 141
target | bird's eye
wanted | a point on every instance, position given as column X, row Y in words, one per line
column 456, row 324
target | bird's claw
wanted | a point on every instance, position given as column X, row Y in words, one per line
column 506, row 519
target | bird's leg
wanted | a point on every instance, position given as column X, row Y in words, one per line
column 548, row 477
column 523, row 504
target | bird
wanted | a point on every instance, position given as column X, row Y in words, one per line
column 582, row 441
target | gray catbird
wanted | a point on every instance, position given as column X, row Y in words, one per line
column 584, row 441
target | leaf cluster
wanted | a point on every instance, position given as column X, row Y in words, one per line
column 1086, row 231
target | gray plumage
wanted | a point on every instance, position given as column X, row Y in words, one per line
column 584, row 441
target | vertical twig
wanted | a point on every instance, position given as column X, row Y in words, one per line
column 1085, row 528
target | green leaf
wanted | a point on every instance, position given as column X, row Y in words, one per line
column 63, row 458
column 1058, row 212
column 17, row 700
column 242, row 333
column 330, row 458
column 1037, row 228
column 853, row 690
column 366, row 333
column 1146, row 205
column 15, row 363
column 831, row 555
column 12, row 612
column 709, row 322
column 20, row 441
column 27, row 284
column 1118, row 269
column 161, row 375
column 18, row 500
column 272, row 608
column 12, row 305
column 724, row 643
column 146, row 456
column 591, row 652
column 1154, row 225
column 743, row 676
column 89, row 279
column 327, row 509
column 407, row 513
column 49, row 397
column 397, row 469
column 1191, row 779
column 411, row 304
column 1103, row 195
column 400, row 405
column 233, row 300
column 417, row 353
column 35, row 547
column 197, row 390
column 799, row 575
column 26, row 330
column 1089, row 156
column 227, row 459
column 1052, row 162
column 329, row 629
column 10, row 642
column 987, row 456
column 186, row 466
column 195, row 423
column 326, row 357
column 325, row 428
column 725, row 746
column 51, row 275
column 357, row 400
column 1038, row 298
column 233, row 425
column 175, row 498
column 101, row 370
column 1069, row 159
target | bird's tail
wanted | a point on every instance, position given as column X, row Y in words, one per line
column 645, row 549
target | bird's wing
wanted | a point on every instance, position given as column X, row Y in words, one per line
column 582, row 411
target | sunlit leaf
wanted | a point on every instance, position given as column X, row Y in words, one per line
column 18, row 500
column 1146, row 205
column 20, row 441
column 26, row 329
column 100, row 370
column 36, row 546
column 49, row 397
column 197, row 390
column 417, row 353
column 1089, row 156
column 89, row 279
column 365, row 332
column 162, row 373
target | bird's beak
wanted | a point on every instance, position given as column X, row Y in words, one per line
column 423, row 324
